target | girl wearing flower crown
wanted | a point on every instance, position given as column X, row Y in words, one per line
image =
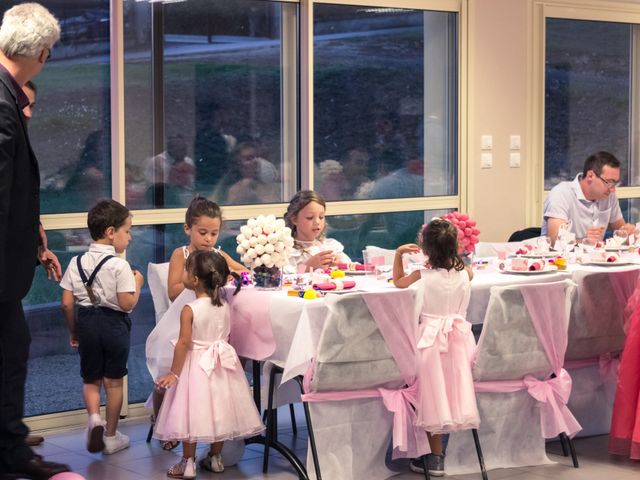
column 306, row 217
column 207, row 394
column 446, row 400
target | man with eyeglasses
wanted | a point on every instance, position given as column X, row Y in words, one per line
column 589, row 202
column 27, row 34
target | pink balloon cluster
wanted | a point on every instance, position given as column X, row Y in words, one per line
column 468, row 233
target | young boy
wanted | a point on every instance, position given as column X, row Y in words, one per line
column 105, row 289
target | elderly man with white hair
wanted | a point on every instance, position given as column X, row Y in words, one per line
column 27, row 35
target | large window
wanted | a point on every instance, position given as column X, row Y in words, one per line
column 385, row 102
column 215, row 117
column 588, row 96
column 215, row 102
column 70, row 128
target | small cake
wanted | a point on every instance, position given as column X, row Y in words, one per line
column 519, row 264
column 598, row 256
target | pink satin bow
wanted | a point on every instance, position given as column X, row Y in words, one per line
column 219, row 352
column 438, row 328
column 401, row 403
column 553, row 394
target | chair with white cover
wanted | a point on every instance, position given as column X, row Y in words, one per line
column 355, row 381
column 519, row 378
column 596, row 338
column 157, row 278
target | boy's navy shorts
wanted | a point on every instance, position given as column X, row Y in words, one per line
column 104, row 336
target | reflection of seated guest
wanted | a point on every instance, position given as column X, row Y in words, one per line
column 404, row 182
column 589, row 201
column 356, row 165
column 210, row 148
column 251, row 179
column 332, row 185
column 91, row 178
column 390, row 146
column 171, row 173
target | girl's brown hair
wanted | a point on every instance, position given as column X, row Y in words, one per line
column 201, row 207
column 297, row 203
column 212, row 270
column 440, row 243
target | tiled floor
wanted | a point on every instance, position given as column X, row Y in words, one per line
column 149, row 461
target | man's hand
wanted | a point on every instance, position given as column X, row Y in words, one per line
column 47, row 258
column 595, row 233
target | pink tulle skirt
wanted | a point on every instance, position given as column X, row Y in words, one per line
column 202, row 408
column 447, row 400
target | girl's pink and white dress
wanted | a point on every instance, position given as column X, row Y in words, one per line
column 212, row 401
column 303, row 251
column 446, row 399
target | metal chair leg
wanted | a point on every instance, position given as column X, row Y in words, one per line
column 269, row 436
column 574, row 456
column 312, row 438
column 150, row 434
column 563, row 444
column 476, row 440
column 292, row 412
column 425, row 466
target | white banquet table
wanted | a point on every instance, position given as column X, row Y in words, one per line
column 297, row 326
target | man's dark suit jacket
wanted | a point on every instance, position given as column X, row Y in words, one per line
column 19, row 198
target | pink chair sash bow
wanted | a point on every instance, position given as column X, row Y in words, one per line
column 408, row 440
column 553, row 394
column 437, row 329
column 216, row 353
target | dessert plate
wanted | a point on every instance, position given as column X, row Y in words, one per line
column 609, row 264
column 548, row 269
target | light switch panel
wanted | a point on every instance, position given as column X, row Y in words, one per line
column 514, row 159
column 486, row 142
column 514, row 142
column 486, row 160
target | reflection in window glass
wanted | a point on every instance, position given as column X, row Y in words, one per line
column 50, row 356
column 70, row 128
column 224, row 72
column 630, row 209
column 379, row 133
column 385, row 230
column 587, row 96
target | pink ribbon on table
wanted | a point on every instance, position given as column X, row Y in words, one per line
column 408, row 440
column 437, row 329
column 216, row 353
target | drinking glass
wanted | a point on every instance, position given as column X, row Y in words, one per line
column 620, row 236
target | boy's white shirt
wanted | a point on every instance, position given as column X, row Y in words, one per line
column 114, row 277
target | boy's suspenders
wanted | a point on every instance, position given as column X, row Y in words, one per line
column 87, row 282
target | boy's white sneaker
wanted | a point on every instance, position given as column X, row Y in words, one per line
column 116, row 443
column 95, row 432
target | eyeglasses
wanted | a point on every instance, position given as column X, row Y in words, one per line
column 611, row 184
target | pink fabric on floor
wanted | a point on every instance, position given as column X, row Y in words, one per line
column 251, row 332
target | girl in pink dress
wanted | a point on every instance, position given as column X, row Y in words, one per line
column 446, row 399
column 208, row 397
